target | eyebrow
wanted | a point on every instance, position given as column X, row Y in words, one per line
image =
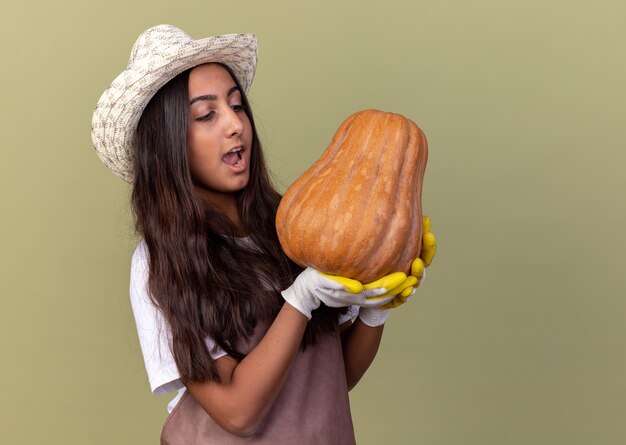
column 212, row 96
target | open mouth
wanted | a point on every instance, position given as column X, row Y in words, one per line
column 234, row 156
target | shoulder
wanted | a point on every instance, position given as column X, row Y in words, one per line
column 139, row 265
column 139, row 274
column 140, row 256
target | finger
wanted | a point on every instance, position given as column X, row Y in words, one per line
column 404, row 296
column 392, row 304
column 406, row 293
column 417, row 268
column 399, row 300
column 410, row 282
column 429, row 247
column 425, row 224
column 375, row 299
column 352, row 286
column 390, row 281
column 421, row 280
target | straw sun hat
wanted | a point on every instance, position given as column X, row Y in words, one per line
column 159, row 54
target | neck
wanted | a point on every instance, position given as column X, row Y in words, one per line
column 225, row 203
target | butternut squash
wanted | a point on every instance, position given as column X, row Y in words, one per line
column 357, row 211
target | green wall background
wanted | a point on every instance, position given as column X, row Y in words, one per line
column 517, row 336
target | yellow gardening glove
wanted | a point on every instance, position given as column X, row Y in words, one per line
column 376, row 298
column 372, row 294
column 429, row 247
column 429, row 244
column 310, row 288
column 369, row 297
column 377, row 315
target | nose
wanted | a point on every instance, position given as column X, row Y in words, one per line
column 234, row 123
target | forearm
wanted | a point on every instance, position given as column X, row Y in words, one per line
column 260, row 376
column 249, row 388
column 360, row 345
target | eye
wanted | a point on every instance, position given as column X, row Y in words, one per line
column 238, row 107
column 207, row 117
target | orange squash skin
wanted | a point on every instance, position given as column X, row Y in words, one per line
column 357, row 211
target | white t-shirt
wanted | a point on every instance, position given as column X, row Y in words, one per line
column 154, row 333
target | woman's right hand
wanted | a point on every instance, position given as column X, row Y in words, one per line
column 312, row 287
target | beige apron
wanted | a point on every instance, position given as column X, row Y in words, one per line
column 312, row 408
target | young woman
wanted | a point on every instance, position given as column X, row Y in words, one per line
column 251, row 341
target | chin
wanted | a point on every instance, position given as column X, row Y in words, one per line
column 241, row 185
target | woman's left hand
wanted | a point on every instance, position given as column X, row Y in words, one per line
column 375, row 316
column 375, row 294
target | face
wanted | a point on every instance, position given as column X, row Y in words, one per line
column 219, row 135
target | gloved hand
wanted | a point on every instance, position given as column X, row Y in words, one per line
column 372, row 294
column 312, row 287
column 376, row 316
column 417, row 276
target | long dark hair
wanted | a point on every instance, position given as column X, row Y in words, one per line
column 204, row 282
